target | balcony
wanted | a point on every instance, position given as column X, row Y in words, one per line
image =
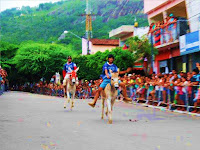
column 168, row 35
column 122, row 31
column 161, row 8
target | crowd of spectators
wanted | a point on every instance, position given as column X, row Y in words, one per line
column 164, row 31
column 179, row 89
column 3, row 81
column 84, row 90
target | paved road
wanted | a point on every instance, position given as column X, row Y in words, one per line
column 37, row 122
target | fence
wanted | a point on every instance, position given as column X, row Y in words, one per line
column 181, row 99
column 2, row 88
column 83, row 94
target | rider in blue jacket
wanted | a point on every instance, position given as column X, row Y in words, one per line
column 107, row 79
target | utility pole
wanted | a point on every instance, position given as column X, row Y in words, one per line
column 88, row 21
column 88, row 24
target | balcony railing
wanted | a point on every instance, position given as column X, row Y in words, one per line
column 169, row 33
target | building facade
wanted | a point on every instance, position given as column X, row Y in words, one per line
column 127, row 31
column 174, row 28
column 96, row 45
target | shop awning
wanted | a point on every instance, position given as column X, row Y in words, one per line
column 138, row 66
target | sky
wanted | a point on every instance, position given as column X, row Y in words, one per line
column 7, row 4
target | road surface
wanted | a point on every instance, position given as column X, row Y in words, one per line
column 38, row 122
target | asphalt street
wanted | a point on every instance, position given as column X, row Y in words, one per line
column 37, row 122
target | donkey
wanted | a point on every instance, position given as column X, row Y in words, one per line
column 109, row 94
column 70, row 87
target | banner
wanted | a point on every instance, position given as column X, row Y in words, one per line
column 189, row 43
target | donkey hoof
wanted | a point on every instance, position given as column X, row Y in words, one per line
column 110, row 122
column 64, row 106
column 106, row 113
column 102, row 118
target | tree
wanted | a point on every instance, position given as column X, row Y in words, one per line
column 75, row 42
column 85, row 72
column 47, row 21
column 7, row 52
column 141, row 49
column 91, row 65
column 36, row 60
column 123, row 58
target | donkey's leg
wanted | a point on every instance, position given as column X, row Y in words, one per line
column 109, row 110
column 68, row 96
column 106, row 113
column 112, row 103
column 67, row 89
column 72, row 100
column 65, row 98
column 102, row 105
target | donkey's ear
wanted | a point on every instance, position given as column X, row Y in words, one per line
column 77, row 69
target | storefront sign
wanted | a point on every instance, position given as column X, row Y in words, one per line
column 190, row 43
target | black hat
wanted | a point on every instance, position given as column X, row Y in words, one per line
column 69, row 57
column 111, row 56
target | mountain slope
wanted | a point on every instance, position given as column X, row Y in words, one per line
column 47, row 21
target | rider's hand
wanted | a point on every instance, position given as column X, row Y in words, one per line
column 108, row 76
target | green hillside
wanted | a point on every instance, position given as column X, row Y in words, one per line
column 46, row 22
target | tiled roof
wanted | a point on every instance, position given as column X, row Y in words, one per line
column 105, row 42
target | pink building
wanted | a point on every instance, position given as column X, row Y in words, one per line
column 158, row 10
column 165, row 34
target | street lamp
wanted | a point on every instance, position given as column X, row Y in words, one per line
column 88, row 50
column 62, row 36
column 65, row 32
